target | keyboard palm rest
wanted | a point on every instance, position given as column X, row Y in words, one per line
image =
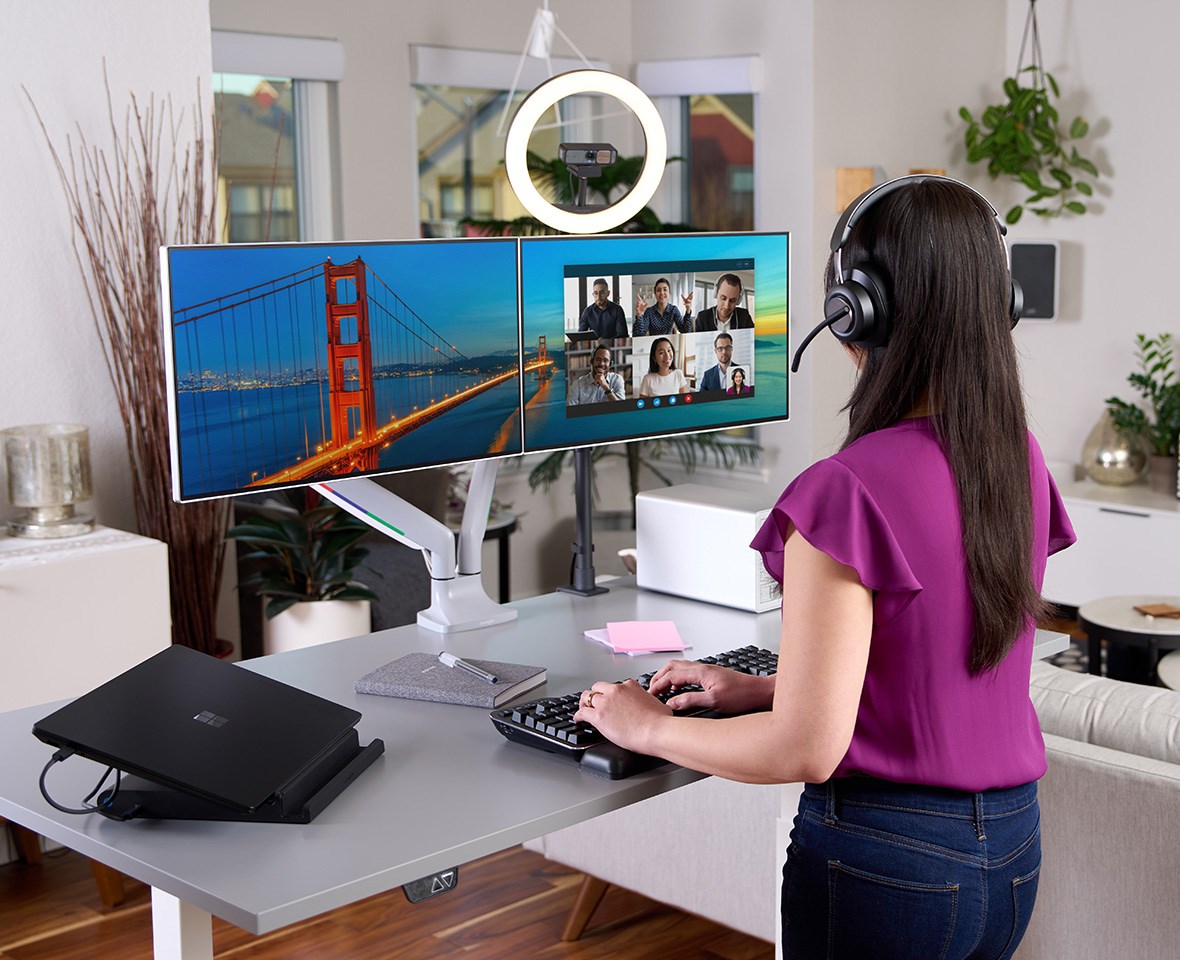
column 547, row 723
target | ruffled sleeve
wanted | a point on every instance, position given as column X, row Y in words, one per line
column 1061, row 533
column 835, row 514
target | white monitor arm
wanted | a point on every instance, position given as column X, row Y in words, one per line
column 458, row 600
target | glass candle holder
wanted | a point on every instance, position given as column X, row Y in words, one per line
column 48, row 472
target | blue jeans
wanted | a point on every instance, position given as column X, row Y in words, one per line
column 891, row 871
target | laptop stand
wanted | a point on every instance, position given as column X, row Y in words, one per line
column 301, row 801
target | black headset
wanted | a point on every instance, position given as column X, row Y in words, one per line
column 856, row 308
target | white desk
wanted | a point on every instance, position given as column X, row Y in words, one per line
column 448, row 790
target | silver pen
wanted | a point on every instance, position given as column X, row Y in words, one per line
column 450, row 660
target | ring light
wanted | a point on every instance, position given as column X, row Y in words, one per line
column 533, row 108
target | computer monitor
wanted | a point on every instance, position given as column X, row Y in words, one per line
column 326, row 364
column 293, row 363
column 717, row 361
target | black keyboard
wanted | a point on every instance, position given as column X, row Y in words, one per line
column 547, row 723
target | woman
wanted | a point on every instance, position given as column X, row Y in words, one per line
column 663, row 317
column 737, row 383
column 662, row 378
column 910, row 563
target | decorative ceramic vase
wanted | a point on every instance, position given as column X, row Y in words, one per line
column 1112, row 456
column 316, row 621
column 1162, row 475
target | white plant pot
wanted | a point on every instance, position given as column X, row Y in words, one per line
column 316, row 621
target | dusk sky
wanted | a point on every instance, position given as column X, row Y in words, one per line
column 464, row 289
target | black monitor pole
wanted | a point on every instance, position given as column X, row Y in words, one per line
column 582, row 575
column 582, row 571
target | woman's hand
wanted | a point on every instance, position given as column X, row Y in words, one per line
column 640, row 306
column 622, row 712
column 687, row 303
column 724, row 690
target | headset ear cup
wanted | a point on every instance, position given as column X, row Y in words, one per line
column 1017, row 304
column 846, row 309
column 869, row 279
column 863, row 296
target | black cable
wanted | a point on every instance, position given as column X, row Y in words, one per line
column 64, row 754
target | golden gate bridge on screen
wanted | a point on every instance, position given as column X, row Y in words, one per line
column 312, row 374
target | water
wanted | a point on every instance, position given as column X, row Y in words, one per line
column 231, row 437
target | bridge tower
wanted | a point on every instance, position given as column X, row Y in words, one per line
column 350, row 363
column 544, row 368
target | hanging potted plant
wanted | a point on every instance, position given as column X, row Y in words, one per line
column 1157, row 383
column 1021, row 137
column 303, row 555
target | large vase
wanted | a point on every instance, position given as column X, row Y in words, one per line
column 316, row 621
column 1111, row 456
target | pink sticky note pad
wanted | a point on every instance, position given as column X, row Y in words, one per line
column 645, row 635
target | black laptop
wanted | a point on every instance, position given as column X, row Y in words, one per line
column 204, row 739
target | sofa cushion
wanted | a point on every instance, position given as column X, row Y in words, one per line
column 1132, row 717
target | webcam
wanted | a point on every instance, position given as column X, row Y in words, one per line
column 580, row 154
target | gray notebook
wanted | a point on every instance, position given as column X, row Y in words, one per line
column 420, row 676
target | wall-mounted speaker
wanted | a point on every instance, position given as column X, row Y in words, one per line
column 1036, row 266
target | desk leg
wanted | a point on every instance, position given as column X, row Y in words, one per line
column 180, row 931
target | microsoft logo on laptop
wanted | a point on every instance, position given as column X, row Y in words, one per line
column 212, row 719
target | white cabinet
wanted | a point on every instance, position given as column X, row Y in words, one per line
column 1128, row 543
column 75, row 612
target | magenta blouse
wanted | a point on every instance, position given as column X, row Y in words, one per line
column 887, row 507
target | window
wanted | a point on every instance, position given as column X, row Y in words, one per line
column 720, row 155
column 461, row 157
column 256, row 170
column 272, row 97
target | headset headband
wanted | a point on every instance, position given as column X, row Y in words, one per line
column 859, row 207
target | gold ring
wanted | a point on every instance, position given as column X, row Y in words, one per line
column 589, row 701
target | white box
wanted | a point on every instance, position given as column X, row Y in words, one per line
column 77, row 611
column 694, row 541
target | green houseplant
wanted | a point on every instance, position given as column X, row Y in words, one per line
column 300, row 548
column 1021, row 137
column 1156, row 382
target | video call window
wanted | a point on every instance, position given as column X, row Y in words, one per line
column 651, row 335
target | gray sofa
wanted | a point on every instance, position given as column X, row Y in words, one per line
column 1110, row 821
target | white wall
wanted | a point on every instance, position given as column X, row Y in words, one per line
column 1115, row 66
column 888, row 91
column 52, row 369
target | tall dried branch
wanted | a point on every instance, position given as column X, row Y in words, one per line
column 150, row 187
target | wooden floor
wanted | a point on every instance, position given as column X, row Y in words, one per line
column 510, row 905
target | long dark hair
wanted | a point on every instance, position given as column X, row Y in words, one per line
column 951, row 348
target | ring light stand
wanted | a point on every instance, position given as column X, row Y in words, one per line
column 531, row 109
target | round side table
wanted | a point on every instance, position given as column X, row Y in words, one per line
column 1115, row 620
